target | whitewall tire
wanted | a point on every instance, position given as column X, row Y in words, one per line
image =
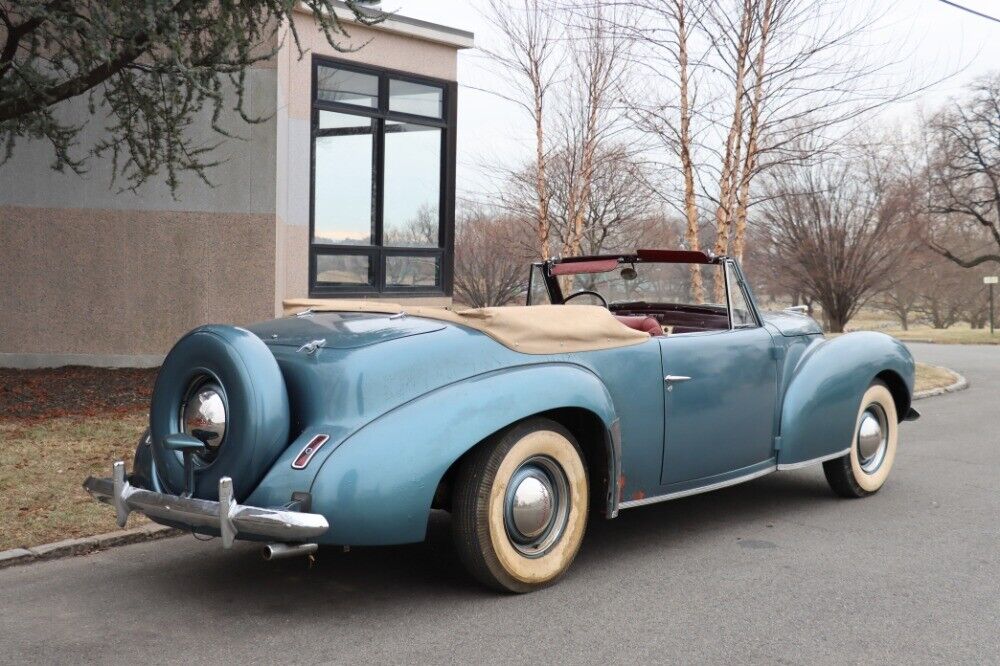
column 519, row 510
column 865, row 469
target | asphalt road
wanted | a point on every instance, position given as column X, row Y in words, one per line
column 774, row 571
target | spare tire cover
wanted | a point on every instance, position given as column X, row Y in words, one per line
column 256, row 402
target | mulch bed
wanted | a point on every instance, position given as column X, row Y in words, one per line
column 74, row 391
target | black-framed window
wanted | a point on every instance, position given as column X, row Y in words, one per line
column 382, row 194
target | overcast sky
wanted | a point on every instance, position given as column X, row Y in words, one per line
column 938, row 41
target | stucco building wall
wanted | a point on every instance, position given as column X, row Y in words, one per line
column 123, row 285
column 92, row 274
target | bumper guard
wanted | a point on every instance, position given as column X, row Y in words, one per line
column 225, row 516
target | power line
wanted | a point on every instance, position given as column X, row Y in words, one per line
column 971, row 11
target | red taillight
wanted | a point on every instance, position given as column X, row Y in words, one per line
column 309, row 451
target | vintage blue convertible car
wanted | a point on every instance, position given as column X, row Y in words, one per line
column 348, row 422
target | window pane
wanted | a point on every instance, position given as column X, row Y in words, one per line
column 342, row 186
column 539, row 294
column 742, row 318
column 343, row 269
column 412, row 185
column 345, row 87
column 652, row 283
column 411, row 271
column 331, row 120
column 415, row 98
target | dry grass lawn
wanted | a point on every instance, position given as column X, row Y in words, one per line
column 42, row 466
column 958, row 334
column 932, row 377
column 955, row 335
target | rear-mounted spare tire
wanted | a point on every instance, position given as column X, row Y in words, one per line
column 238, row 373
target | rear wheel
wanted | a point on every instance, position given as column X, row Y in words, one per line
column 865, row 469
column 519, row 509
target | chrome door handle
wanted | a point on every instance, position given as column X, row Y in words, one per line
column 675, row 378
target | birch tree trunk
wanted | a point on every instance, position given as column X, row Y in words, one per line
column 541, row 179
column 753, row 134
column 687, row 164
column 599, row 69
column 529, row 42
column 730, row 163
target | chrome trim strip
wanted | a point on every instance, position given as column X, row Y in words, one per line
column 784, row 467
column 696, row 491
column 226, row 516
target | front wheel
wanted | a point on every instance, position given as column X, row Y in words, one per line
column 865, row 469
column 519, row 509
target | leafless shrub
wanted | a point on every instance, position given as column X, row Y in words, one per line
column 836, row 231
column 490, row 264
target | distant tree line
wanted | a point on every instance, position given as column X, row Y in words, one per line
column 907, row 223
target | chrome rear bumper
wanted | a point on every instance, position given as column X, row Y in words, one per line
column 225, row 516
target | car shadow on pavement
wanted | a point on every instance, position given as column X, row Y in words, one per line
column 341, row 581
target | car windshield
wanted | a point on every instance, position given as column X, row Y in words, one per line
column 650, row 283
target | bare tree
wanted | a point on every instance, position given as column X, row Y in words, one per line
column 490, row 266
column 746, row 80
column 662, row 31
column 622, row 213
column 753, row 129
column 620, row 206
column 740, row 46
column 976, row 306
column 901, row 300
column 963, row 172
column 684, row 141
column 528, row 56
column 837, row 229
column 940, row 301
column 599, row 57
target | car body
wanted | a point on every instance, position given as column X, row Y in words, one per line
column 385, row 403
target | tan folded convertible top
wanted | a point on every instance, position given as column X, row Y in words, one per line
column 535, row 329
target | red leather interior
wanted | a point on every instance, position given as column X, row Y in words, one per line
column 642, row 323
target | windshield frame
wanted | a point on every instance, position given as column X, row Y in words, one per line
column 736, row 281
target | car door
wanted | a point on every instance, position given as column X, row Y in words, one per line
column 721, row 395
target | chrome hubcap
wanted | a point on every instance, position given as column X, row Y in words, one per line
column 203, row 416
column 536, row 506
column 531, row 508
column 872, row 440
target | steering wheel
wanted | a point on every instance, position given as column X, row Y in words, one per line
column 588, row 292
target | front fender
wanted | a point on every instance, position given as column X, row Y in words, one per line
column 376, row 488
column 824, row 394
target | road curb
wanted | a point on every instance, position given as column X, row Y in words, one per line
column 84, row 545
column 960, row 384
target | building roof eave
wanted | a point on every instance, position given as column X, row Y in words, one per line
column 404, row 25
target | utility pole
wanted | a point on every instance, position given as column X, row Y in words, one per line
column 991, row 280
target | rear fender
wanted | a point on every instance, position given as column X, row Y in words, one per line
column 376, row 488
column 824, row 394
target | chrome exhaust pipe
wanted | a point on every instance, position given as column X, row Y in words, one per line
column 279, row 551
